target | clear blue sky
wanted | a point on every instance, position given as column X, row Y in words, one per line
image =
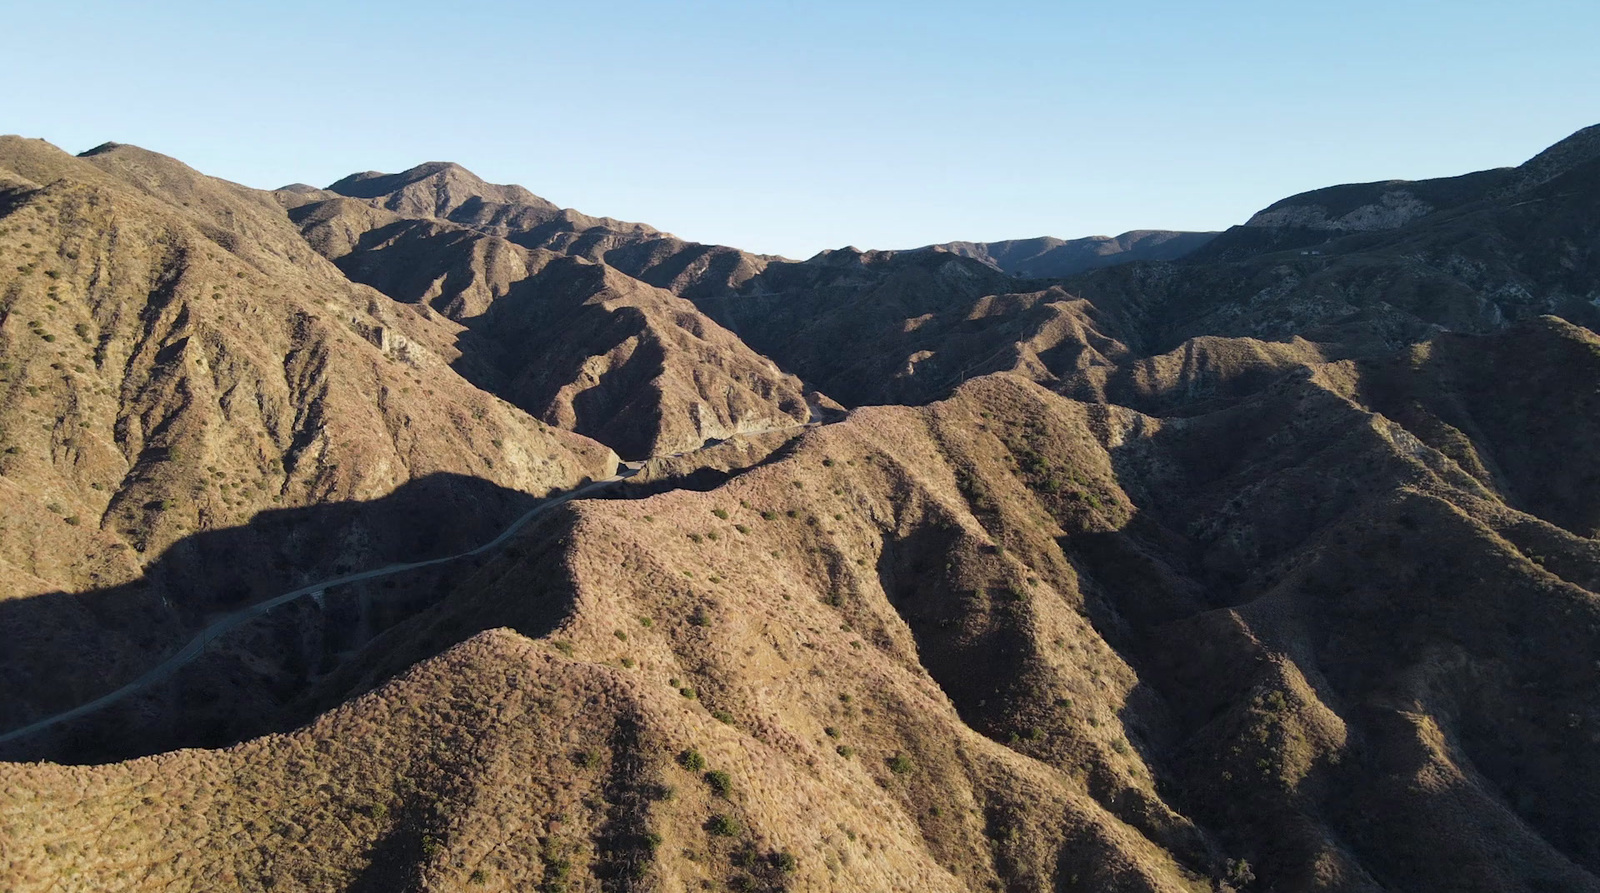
column 791, row 127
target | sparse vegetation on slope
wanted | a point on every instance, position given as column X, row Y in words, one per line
column 1239, row 574
column 211, row 369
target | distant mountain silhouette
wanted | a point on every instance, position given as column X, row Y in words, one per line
column 1048, row 256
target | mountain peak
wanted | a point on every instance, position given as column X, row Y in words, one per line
column 435, row 189
column 106, row 146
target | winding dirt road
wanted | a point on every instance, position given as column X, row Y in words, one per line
column 197, row 645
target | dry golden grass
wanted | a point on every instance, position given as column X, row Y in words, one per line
column 939, row 648
column 177, row 361
column 1290, row 619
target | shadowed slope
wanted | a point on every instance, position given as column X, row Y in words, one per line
column 175, row 360
column 1300, row 593
column 575, row 343
column 1012, row 638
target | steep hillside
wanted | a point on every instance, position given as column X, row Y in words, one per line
column 1352, row 271
column 1471, row 254
column 864, row 327
column 1361, row 269
column 1512, row 411
column 1311, row 219
column 571, row 341
column 1271, row 568
column 1524, row 245
column 591, row 350
column 1006, row 639
column 175, row 360
column 445, row 191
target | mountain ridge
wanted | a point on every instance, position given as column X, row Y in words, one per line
column 1271, row 566
column 1049, row 257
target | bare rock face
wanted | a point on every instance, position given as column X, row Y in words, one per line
column 1393, row 208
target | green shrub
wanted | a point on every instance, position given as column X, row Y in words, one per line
column 692, row 760
column 845, row 750
column 900, row 764
column 720, row 513
column 723, row 825
column 721, row 782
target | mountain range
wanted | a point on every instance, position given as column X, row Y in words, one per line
column 1048, row 256
column 418, row 534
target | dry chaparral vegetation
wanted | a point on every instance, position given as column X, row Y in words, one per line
column 1118, row 605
